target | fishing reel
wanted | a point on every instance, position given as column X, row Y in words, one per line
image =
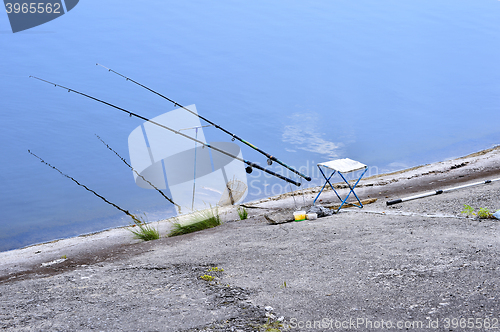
column 269, row 162
column 249, row 169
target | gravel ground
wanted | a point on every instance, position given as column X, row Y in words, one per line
column 417, row 266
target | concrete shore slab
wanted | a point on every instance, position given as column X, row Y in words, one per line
column 418, row 263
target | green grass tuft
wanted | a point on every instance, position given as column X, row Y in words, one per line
column 200, row 220
column 468, row 210
column 484, row 213
column 215, row 269
column 145, row 232
column 207, row 277
column 243, row 213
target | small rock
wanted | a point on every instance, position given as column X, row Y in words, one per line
column 270, row 315
column 57, row 261
column 497, row 214
column 269, row 308
column 279, row 217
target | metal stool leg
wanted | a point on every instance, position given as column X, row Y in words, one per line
column 352, row 190
column 326, row 182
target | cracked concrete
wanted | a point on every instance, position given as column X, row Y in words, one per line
column 419, row 261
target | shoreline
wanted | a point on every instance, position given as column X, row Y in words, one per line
column 475, row 166
column 414, row 261
column 296, row 192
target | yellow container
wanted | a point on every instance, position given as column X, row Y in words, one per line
column 299, row 215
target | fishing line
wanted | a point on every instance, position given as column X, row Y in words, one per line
column 293, row 196
column 233, row 136
column 303, row 196
column 249, row 163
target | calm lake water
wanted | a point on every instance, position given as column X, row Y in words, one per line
column 392, row 84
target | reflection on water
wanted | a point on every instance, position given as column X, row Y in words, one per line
column 304, row 135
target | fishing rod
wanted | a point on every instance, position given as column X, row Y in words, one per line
column 249, row 163
column 139, row 175
column 270, row 157
column 136, row 220
column 438, row 192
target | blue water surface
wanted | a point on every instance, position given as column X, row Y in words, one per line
column 390, row 83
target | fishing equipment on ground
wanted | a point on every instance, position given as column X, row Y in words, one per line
column 249, row 163
column 136, row 220
column 438, row 192
column 233, row 136
column 133, row 169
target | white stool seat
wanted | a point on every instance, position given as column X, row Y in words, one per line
column 345, row 165
column 340, row 166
